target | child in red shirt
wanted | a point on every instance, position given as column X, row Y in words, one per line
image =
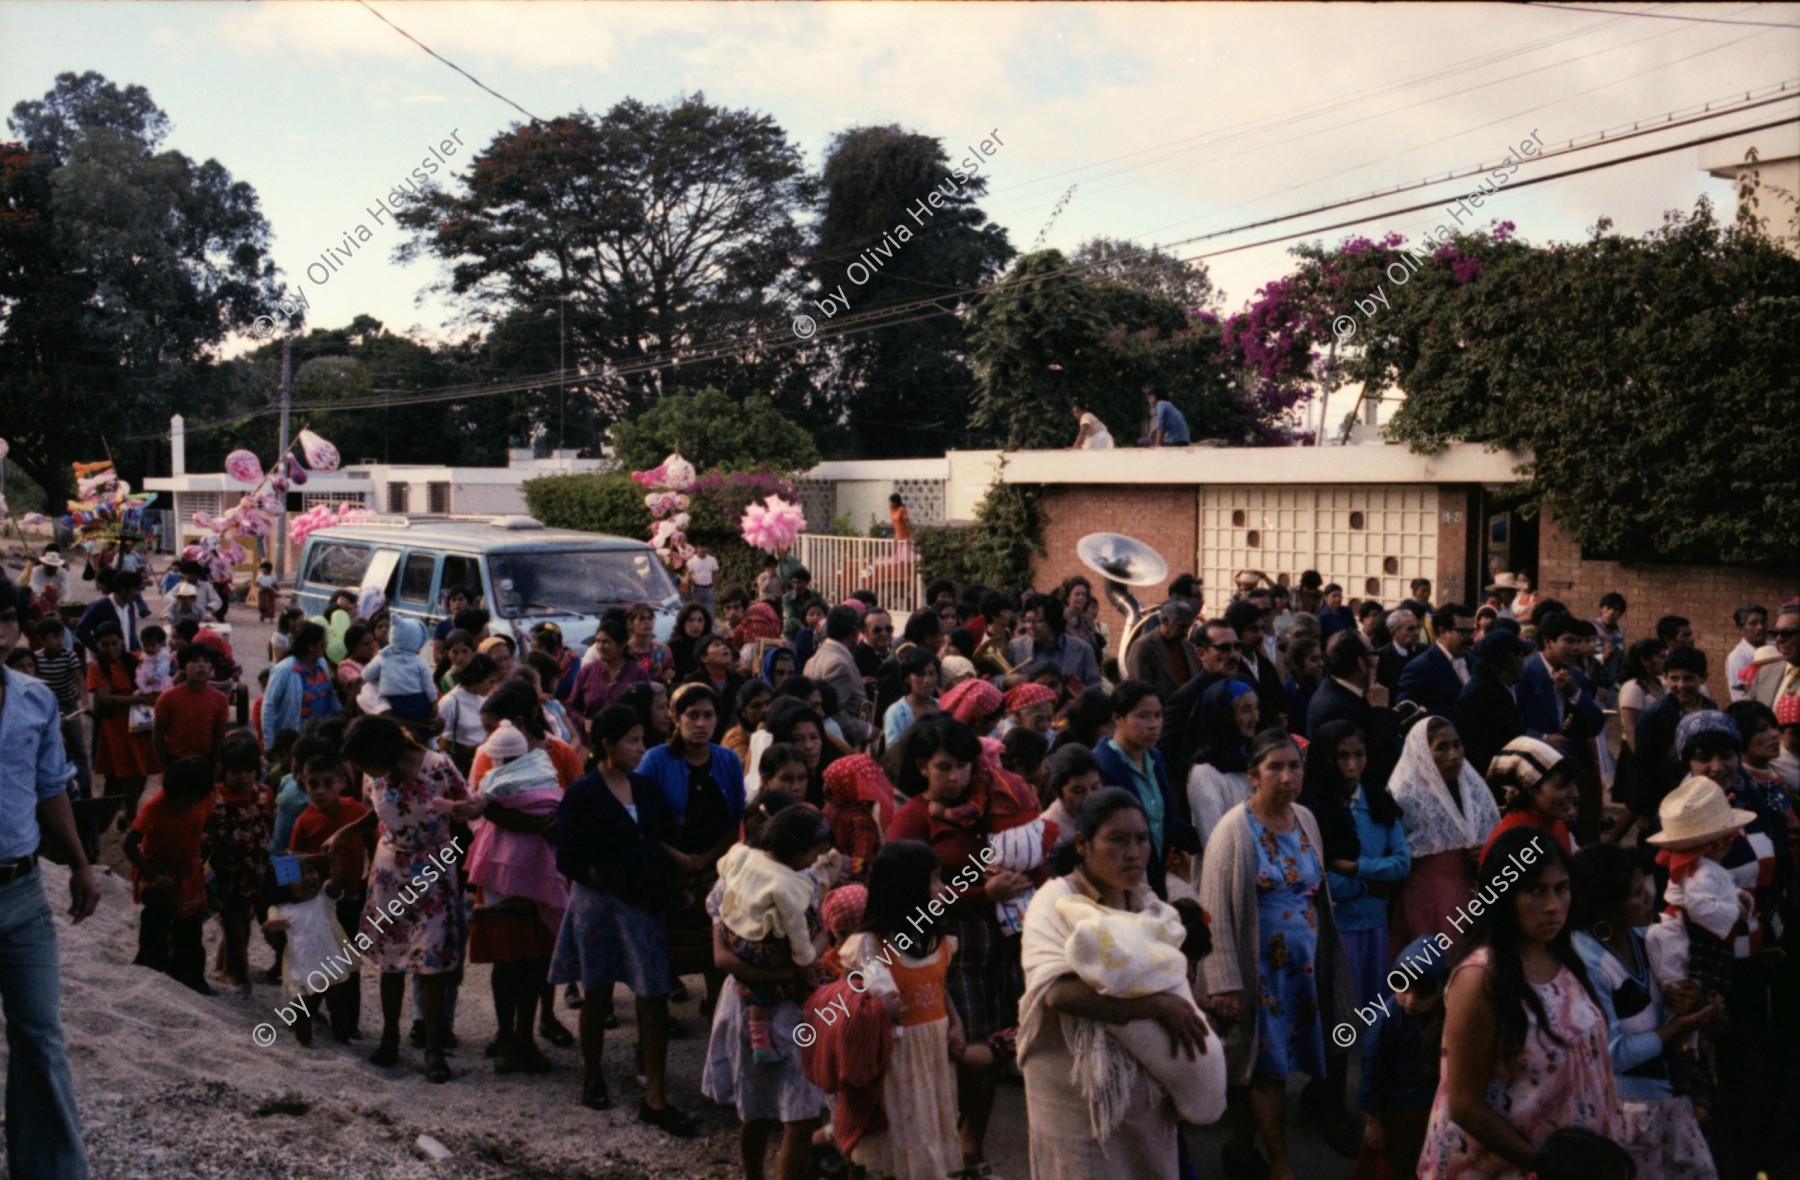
column 190, row 718
column 168, row 876
column 237, row 846
column 344, row 859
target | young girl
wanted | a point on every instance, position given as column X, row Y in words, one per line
column 783, row 769
column 1400, row 1066
column 344, row 862
column 282, row 641
column 168, row 876
column 1023, row 752
column 237, row 842
column 919, row 672
column 456, row 648
column 1069, row 775
column 752, row 706
column 460, row 709
column 906, row 967
column 770, row 910
column 856, row 791
column 156, row 664
column 1365, row 849
column 122, row 748
column 268, row 589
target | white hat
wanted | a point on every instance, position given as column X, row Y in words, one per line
column 187, row 590
column 506, row 742
column 53, row 560
column 1697, row 812
column 1503, row 581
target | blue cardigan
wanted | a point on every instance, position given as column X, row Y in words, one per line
column 1177, row 832
column 1384, row 858
column 669, row 771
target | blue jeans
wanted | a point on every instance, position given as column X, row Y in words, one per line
column 43, row 1131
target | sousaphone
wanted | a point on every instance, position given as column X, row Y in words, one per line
column 1123, row 562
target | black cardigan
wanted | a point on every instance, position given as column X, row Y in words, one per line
column 594, row 831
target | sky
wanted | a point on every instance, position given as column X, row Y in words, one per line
column 1169, row 120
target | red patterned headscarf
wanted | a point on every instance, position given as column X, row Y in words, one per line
column 760, row 622
column 972, row 700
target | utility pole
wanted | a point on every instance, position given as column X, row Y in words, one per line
column 562, row 383
column 287, row 401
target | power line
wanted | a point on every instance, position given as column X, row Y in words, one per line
column 434, row 53
column 1699, row 20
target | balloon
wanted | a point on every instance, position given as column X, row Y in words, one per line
column 244, row 467
column 320, row 455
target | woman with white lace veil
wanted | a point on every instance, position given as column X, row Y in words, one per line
column 1447, row 813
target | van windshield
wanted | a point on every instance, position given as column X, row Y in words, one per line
column 577, row 581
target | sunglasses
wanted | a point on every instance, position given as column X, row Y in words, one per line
column 1224, row 646
column 1785, row 633
column 881, row 630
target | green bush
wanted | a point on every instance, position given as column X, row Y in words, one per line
column 996, row 550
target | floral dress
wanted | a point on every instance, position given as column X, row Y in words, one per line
column 1288, row 873
column 238, row 832
column 1549, row 1086
column 430, row 929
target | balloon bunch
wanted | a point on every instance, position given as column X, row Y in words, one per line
column 321, row 516
column 773, row 525
column 668, row 504
column 105, row 508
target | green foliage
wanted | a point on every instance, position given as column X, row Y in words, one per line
column 1652, row 379
column 997, row 550
column 845, row 526
column 714, row 431
column 1150, row 270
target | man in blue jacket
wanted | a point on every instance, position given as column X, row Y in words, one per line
column 1435, row 677
column 1130, row 759
column 1557, row 706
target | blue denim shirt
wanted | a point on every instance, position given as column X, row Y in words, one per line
column 33, row 764
column 1173, row 426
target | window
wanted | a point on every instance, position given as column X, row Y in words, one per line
column 461, row 572
column 437, row 498
column 399, row 496
column 416, row 576
column 335, row 563
column 578, row 582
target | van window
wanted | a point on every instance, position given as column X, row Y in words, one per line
column 338, row 563
column 416, row 576
column 577, row 582
column 461, row 572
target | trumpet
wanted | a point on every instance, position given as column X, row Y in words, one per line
column 990, row 658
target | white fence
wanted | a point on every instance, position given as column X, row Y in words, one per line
column 841, row 564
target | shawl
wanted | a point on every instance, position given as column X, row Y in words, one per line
column 522, row 864
column 768, row 664
column 760, row 622
column 1124, row 954
column 849, row 1058
column 529, row 772
column 1432, row 821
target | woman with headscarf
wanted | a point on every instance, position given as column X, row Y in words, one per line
column 778, row 665
column 1537, row 786
column 761, row 624
column 1217, row 782
column 975, row 703
column 1448, row 814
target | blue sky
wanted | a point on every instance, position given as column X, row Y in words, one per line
column 1172, row 119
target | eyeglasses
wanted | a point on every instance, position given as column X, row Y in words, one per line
column 1226, row 647
column 1785, row 633
column 881, row 630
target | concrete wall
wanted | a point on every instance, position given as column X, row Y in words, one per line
column 478, row 499
column 1707, row 595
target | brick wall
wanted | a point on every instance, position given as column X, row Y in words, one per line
column 1458, row 510
column 1707, row 595
column 1161, row 517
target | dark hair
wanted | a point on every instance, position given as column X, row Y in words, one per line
column 377, row 742
column 517, row 702
column 1576, row 1153
column 479, row 669
column 1613, row 599
column 1669, row 626
column 1345, row 653
column 794, row 831
column 1742, row 614
column 47, row 627
column 1242, row 614
column 1710, row 743
column 1297, row 652
column 307, row 635
column 1556, row 626
column 1321, row 769
column 355, row 634
column 1023, row 751
column 963, row 641
column 195, row 651
column 549, row 671
column 1515, row 1001
column 797, row 688
column 923, row 741
column 750, row 690
column 842, row 623
column 692, row 694
column 640, row 698
column 611, row 724
column 1130, row 694
column 777, row 756
column 1196, row 940
column 1186, row 586
column 1751, row 718
column 23, row 659
column 994, row 603
column 1367, row 607
column 151, row 634
column 914, row 661
column 939, row 586
column 1266, row 743
column 1088, row 713
column 1685, row 659
column 800, row 574
column 1310, row 579
column 734, row 596
column 1637, row 658
column 1600, row 877
column 1067, row 762
column 866, row 597
column 788, row 713
column 240, row 751
column 315, row 754
column 766, row 806
column 899, row 887
column 188, row 778
column 1096, row 809
column 187, row 629
column 1444, row 617
column 472, row 619
column 1048, row 609
column 922, row 626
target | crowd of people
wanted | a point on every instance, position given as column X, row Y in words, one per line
column 1151, row 883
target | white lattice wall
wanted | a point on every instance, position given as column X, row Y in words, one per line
column 1372, row 540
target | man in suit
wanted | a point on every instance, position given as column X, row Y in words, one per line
column 877, row 643
column 1557, row 707
column 119, row 605
column 1217, row 645
column 1403, row 644
column 1435, row 678
column 1046, row 639
column 1781, row 679
column 1351, row 693
column 1485, row 711
column 1163, row 654
column 1249, row 620
column 835, row 664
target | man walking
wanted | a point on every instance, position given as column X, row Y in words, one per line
column 43, row 1130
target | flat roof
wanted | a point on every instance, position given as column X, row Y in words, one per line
column 1384, row 463
column 474, row 534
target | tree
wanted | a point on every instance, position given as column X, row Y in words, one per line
column 905, row 387
column 122, row 268
column 1150, row 270
column 713, row 430
column 667, row 227
column 1653, row 380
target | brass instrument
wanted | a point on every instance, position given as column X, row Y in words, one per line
column 1123, row 562
column 990, row 658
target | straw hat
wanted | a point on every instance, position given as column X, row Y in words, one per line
column 1697, row 813
column 1503, row 581
column 187, row 590
column 53, row 560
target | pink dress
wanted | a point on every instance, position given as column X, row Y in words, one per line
column 422, row 928
column 1550, row 1086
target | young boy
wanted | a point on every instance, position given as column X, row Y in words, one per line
column 167, row 875
column 268, row 590
column 190, row 718
column 345, row 864
column 156, row 664
column 237, row 843
column 63, row 672
column 702, row 570
column 307, row 920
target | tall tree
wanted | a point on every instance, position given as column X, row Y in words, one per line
column 1151, row 270
column 896, row 225
column 668, row 228
column 121, row 268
